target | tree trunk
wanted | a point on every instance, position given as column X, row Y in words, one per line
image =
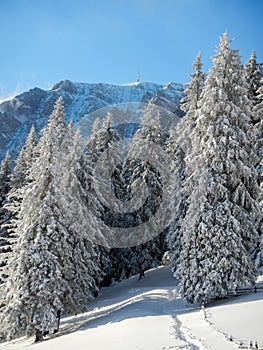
column 39, row 336
column 58, row 322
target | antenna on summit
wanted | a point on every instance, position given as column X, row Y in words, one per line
column 138, row 77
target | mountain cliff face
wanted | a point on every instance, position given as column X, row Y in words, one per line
column 80, row 99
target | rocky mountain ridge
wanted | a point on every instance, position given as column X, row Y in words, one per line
column 80, row 99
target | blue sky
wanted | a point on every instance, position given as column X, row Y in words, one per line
column 45, row 41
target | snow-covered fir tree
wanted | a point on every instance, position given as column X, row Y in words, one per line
column 13, row 198
column 5, row 215
column 257, row 112
column 5, row 173
column 105, row 156
column 124, row 175
column 103, row 137
column 179, row 146
column 258, row 115
column 26, row 157
column 253, row 77
column 37, row 273
column 189, row 103
column 101, row 143
column 219, row 230
column 259, row 251
column 52, row 268
column 90, row 201
column 147, row 166
column 83, row 273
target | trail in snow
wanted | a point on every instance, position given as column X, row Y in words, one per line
column 147, row 314
column 240, row 318
column 194, row 326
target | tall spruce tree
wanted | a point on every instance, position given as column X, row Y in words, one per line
column 147, row 166
column 49, row 256
column 18, row 179
column 101, row 143
column 219, row 226
column 179, row 146
column 5, row 215
column 24, row 160
column 82, row 271
column 258, row 115
column 125, row 178
column 37, row 272
column 5, row 173
column 253, row 76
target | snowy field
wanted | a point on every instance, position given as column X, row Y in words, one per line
column 150, row 315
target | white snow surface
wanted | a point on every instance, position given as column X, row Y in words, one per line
column 150, row 315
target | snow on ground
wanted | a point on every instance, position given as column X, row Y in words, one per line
column 240, row 317
column 195, row 325
column 150, row 315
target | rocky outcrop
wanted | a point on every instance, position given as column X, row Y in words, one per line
column 80, row 99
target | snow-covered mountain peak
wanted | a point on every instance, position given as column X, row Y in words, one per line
column 135, row 83
column 65, row 85
column 80, row 99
